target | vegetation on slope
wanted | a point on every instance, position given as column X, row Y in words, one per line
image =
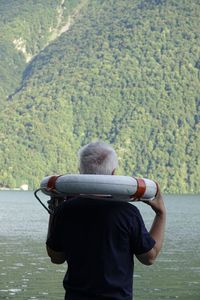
column 127, row 72
column 26, row 28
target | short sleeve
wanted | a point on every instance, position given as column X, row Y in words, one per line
column 54, row 240
column 142, row 241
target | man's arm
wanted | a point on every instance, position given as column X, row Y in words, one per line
column 156, row 231
column 56, row 257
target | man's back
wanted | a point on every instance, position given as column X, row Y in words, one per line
column 99, row 238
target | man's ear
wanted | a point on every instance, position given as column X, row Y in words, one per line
column 113, row 172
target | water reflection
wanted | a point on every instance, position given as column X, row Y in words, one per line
column 26, row 272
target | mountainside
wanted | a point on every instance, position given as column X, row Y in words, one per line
column 28, row 26
column 127, row 72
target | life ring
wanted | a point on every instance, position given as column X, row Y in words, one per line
column 122, row 188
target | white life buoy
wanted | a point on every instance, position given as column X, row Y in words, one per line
column 122, row 188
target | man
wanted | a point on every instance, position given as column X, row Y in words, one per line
column 99, row 238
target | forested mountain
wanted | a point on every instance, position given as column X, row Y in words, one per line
column 26, row 28
column 127, row 72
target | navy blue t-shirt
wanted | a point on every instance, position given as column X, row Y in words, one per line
column 99, row 238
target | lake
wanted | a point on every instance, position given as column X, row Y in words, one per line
column 26, row 272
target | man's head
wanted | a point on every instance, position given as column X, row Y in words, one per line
column 97, row 158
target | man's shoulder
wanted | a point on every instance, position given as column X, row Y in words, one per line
column 131, row 208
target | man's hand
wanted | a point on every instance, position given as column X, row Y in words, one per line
column 54, row 202
column 56, row 257
column 157, row 204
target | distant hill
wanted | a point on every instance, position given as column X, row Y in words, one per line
column 27, row 26
column 127, row 72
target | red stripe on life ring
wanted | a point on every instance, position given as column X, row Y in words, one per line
column 51, row 184
column 141, row 188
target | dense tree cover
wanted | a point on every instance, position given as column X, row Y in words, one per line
column 27, row 26
column 127, row 72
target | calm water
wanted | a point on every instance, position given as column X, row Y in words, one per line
column 26, row 272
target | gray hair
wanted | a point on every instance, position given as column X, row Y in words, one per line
column 97, row 158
